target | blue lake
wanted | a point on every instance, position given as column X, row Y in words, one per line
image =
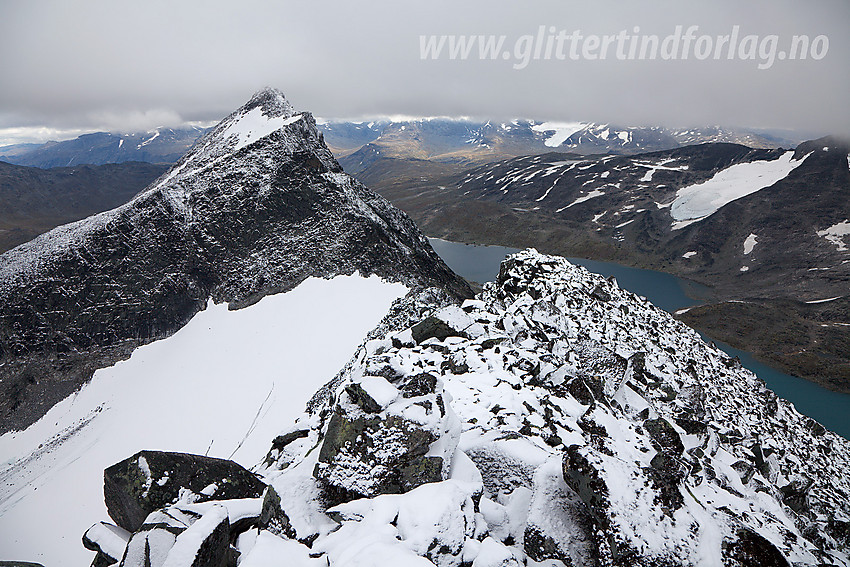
column 481, row 264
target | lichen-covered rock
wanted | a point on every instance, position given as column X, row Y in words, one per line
column 371, row 449
column 150, row 480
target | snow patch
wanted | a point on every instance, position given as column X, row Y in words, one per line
column 560, row 131
column 750, row 243
column 836, row 234
column 254, row 125
column 689, row 254
column 824, row 300
column 591, row 195
column 696, row 202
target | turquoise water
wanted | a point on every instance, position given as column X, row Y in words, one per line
column 481, row 264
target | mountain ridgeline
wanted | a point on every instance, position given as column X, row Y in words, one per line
column 255, row 207
column 162, row 145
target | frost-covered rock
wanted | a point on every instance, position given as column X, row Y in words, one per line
column 150, row 480
column 386, row 437
column 563, row 421
column 603, row 432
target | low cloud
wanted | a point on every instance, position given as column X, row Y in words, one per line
column 134, row 66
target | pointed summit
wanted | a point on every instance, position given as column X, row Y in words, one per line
column 255, row 207
column 272, row 102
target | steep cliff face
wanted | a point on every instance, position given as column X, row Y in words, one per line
column 255, row 207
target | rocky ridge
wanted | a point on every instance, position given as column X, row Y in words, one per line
column 554, row 419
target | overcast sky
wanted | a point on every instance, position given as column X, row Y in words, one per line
column 70, row 67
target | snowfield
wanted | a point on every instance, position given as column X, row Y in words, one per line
column 223, row 385
column 560, row 131
column 698, row 201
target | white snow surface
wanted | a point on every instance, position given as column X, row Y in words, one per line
column 560, row 131
column 698, row 201
column 254, row 125
column 234, row 380
column 593, row 193
column 836, row 234
column 750, row 243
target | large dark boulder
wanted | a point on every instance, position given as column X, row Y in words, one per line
column 150, row 480
column 364, row 456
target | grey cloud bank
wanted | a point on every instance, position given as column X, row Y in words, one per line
column 122, row 66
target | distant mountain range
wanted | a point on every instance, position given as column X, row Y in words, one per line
column 162, row 145
column 464, row 141
column 445, row 140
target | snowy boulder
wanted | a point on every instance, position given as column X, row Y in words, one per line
column 451, row 321
column 178, row 538
column 150, row 480
column 149, row 546
column 433, row 521
column 495, row 554
column 384, row 438
column 108, row 541
column 203, row 544
column 366, row 456
column 558, row 526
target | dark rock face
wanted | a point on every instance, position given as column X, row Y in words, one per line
column 236, row 219
column 752, row 550
column 150, row 480
column 448, row 322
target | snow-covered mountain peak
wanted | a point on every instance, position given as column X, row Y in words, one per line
column 257, row 204
column 272, row 101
